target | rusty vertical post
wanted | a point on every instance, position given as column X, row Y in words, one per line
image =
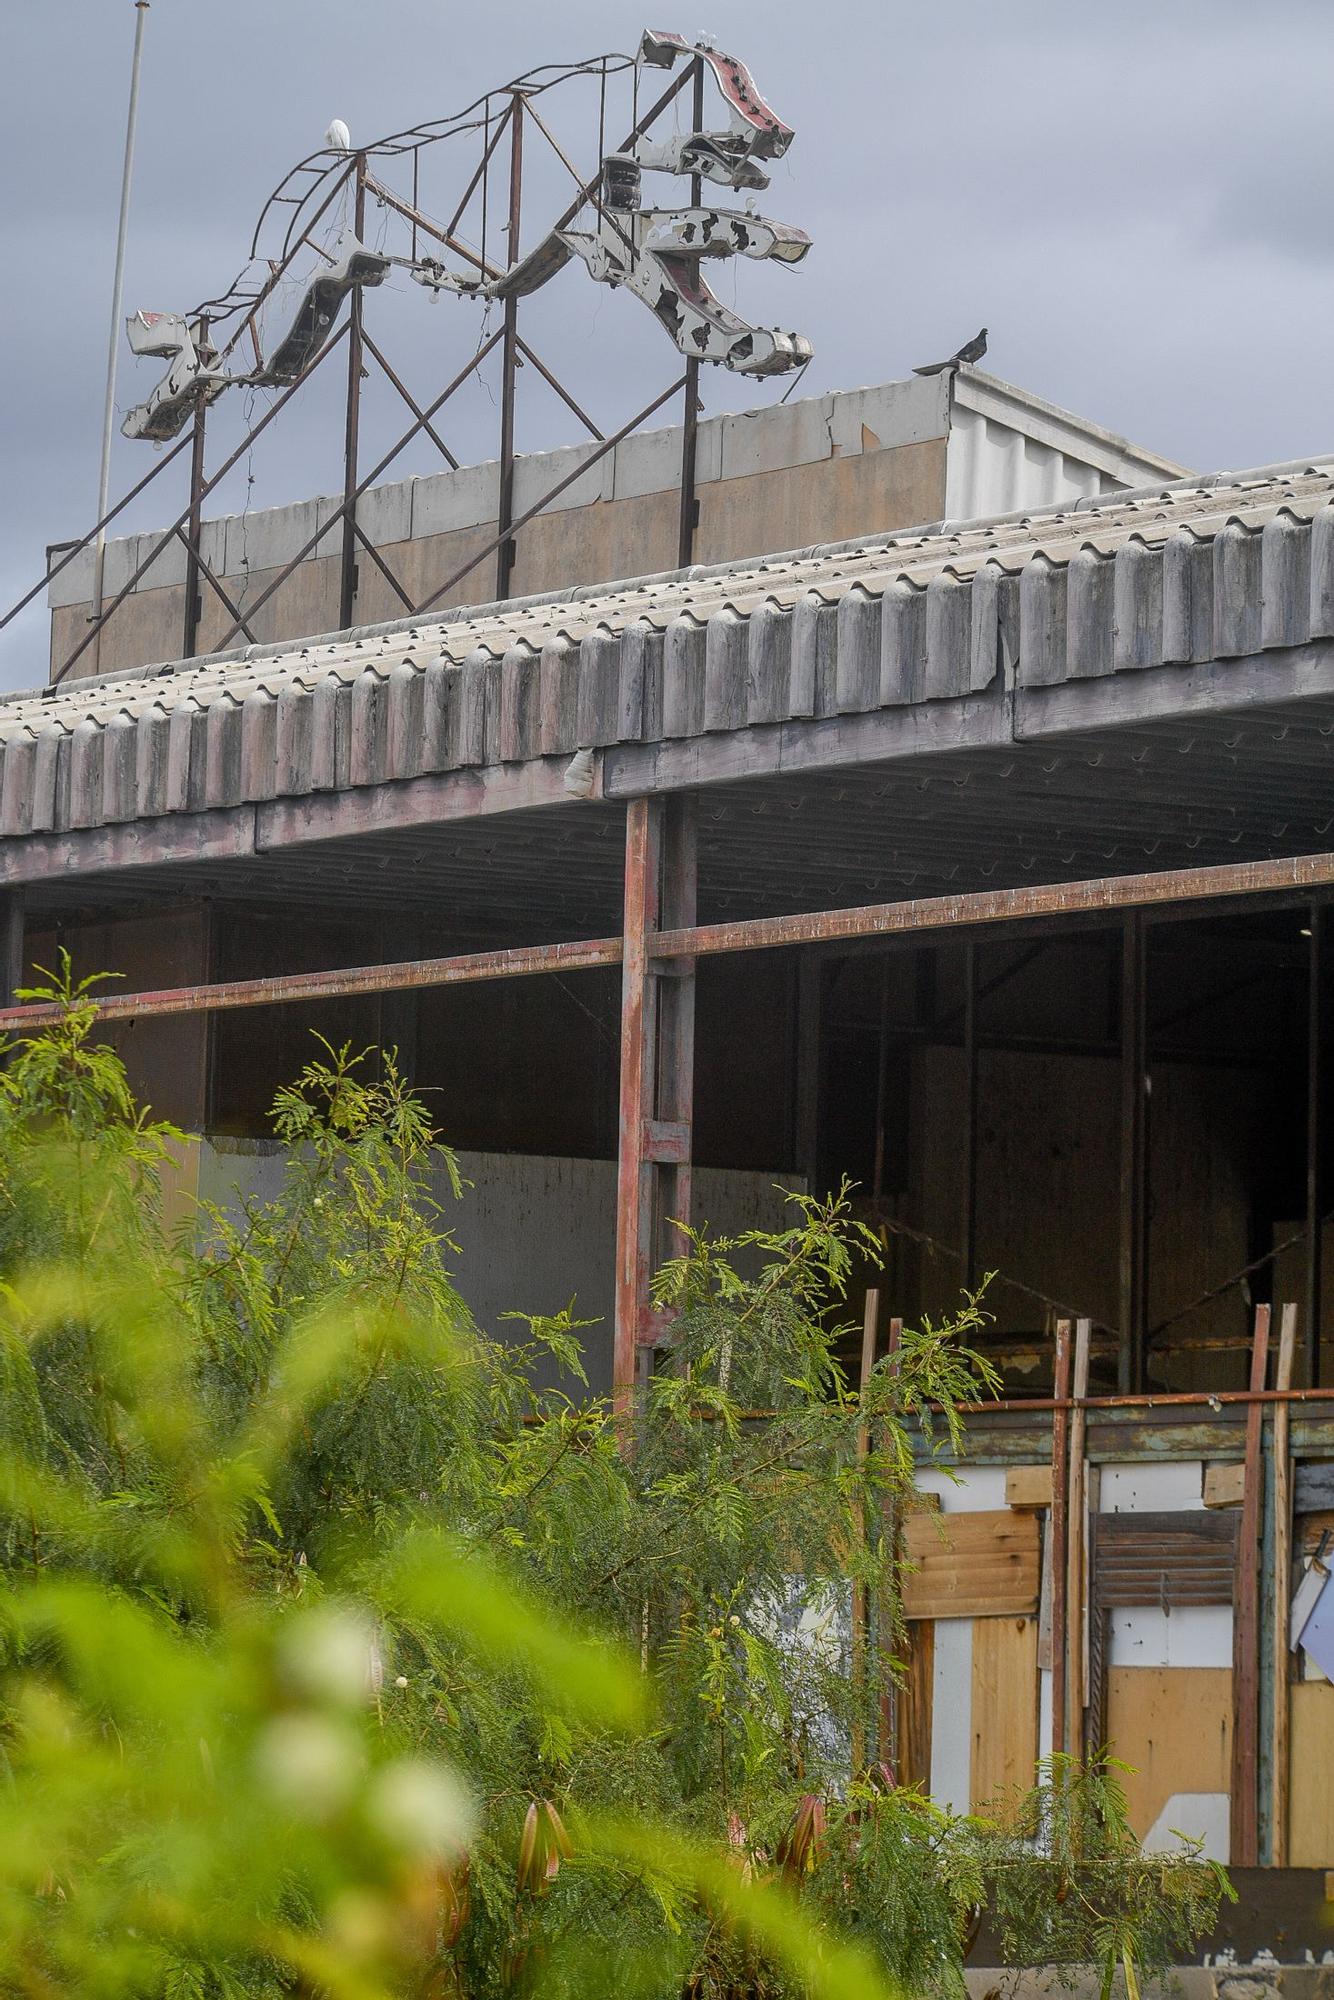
column 673, row 999
column 1060, row 1538
column 1315, row 1026
column 634, row 1207
column 1245, row 1844
column 509, row 357
column 968, row 1237
column 887, row 1613
column 689, row 512
column 861, row 1600
column 347, row 584
column 1076, row 1531
column 1134, row 1202
column 195, row 526
column 1280, row 1725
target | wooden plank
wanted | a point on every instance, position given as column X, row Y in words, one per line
column 981, row 1565
column 1059, row 1538
column 1004, row 1751
column 1311, row 1803
column 914, row 1706
column 1168, row 1560
column 1173, row 1727
column 1028, row 1486
column 1224, row 1484
column 1246, row 1624
column 1279, row 1742
column 1076, row 1680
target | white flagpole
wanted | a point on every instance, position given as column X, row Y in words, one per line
column 113, row 344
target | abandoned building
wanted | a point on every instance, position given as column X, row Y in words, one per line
column 985, row 862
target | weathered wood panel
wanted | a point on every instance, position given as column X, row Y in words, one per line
column 1311, row 1798
column 1005, row 1709
column 971, row 1565
column 1173, row 1726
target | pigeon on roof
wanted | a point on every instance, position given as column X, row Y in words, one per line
column 971, row 351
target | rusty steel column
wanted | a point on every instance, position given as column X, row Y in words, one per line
column 634, row 1206
column 968, row 1233
column 510, row 358
column 673, row 989
column 195, row 527
column 653, row 1181
column 347, row 585
column 1134, row 1201
column 1315, row 1083
column 688, row 519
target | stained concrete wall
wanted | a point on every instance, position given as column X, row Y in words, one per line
column 822, row 469
column 534, row 1235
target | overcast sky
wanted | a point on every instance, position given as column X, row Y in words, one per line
column 1136, row 198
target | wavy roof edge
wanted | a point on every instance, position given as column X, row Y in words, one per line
column 928, row 540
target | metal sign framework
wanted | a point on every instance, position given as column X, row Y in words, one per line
column 312, row 192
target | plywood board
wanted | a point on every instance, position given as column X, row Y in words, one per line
column 1173, row 1726
column 1311, row 1795
column 1028, row 1486
column 1005, row 1709
column 1224, row 1483
column 981, row 1565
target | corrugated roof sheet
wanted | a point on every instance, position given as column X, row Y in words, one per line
column 1197, row 570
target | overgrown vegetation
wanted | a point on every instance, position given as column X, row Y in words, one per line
column 336, row 1657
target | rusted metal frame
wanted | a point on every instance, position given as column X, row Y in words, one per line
column 488, row 149
column 509, row 358
column 347, row 569
column 380, row 563
column 204, row 569
column 195, row 528
column 77, row 548
column 314, row 540
column 424, row 222
column 559, row 387
column 410, row 400
column 673, row 1000
column 981, row 907
column 969, row 1134
column 688, row 514
column 861, row 1597
column 278, row 269
column 763, row 933
column 1076, row 1592
column 1245, row 1841
column 555, row 144
column 209, row 484
column 515, row 961
column 634, row 1204
column 637, row 130
column 1133, row 1253
column 1280, row 1727
column 1059, row 1553
column 552, row 493
column 1315, row 1085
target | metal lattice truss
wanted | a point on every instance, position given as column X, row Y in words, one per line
column 656, row 254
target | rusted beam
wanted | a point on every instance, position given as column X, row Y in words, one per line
column 634, row 1208
column 1245, row 1842
column 1318, row 925
column 347, row 567
column 1134, row 1170
column 518, row 961
column 195, row 528
column 1076, row 1590
column 990, row 906
column 1280, row 1744
column 509, row 357
column 1059, row 1553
